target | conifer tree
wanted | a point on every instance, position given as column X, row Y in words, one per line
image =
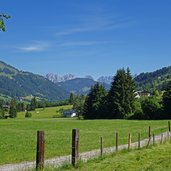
column 71, row 98
column 95, row 102
column 33, row 104
column 121, row 96
column 167, row 102
column 13, row 108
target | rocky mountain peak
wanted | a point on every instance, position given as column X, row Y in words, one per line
column 105, row 79
column 56, row 78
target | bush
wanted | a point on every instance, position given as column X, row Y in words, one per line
column 28, row 115
column 151, row 108
column 2, row 114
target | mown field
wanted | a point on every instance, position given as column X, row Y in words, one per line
column 18, row 136
column 50, row 112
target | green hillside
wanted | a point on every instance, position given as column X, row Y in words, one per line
column 154, row 80
column 19, row 84
column 7, row 70
column 49, row 112
column 79, row 85
column 15, row 83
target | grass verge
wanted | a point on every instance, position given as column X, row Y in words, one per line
column 154, row 158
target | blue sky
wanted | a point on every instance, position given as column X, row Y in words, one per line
column 92, row 37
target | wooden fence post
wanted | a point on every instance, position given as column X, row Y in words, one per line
column 129, row 141
column 116, row 141
column 161, row 139
column 40, row 150
column 149, row 136
column 75, row 144
column 153, row 139
column 168, row 135
column 139, row 141
column 149, row 132
column 101, row 146
column 169, row 138
column 169, row 125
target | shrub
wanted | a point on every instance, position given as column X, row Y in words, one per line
column 2, row 114
column 151, row 108
column 28, row 115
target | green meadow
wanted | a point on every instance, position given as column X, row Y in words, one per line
column 18, row 136
column 50, row 112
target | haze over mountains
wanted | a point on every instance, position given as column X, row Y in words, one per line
column 70, row 83
column 20, row 84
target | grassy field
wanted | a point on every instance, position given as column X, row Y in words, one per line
column 18, row 136
column 50, row 112
column 156, row 158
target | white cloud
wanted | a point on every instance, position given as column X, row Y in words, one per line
column 35, row 46
column 83, row 43
column 74, row 30
column 31, row 49
column 95, row 23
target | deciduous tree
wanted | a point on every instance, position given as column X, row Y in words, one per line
column 2, row 23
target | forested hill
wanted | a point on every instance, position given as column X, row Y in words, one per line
column 154, row 80
column 80, row 85
column 15, row 83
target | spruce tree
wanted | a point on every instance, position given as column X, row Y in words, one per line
column 130, row 94
column 121, row 96
column 13, row 109
column 33, row 104
column 167, row 102
column 71, row 98
column 95, row 102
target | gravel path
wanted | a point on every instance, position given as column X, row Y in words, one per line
column 26, row 166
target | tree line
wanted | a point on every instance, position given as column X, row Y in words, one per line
column 117, row 103
column 120, row 101
column 12, row 107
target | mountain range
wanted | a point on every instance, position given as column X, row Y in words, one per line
column 80, row 85
column 22, row 85
column 57, row 79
